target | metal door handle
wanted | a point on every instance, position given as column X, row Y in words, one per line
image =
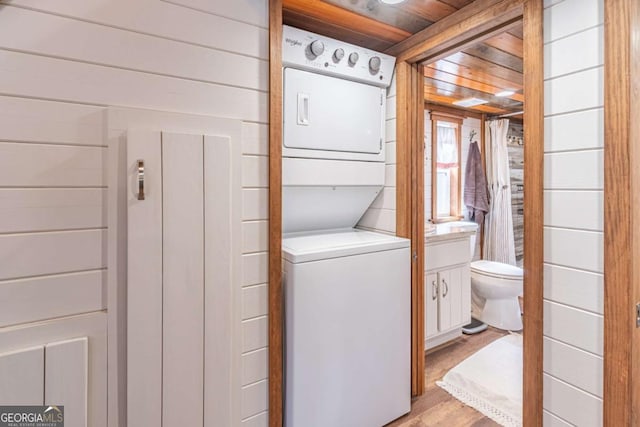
column 434, row 290
column 140, row 179
column 446, row 288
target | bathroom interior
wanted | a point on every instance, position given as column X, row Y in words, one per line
column 473, row 216
column 473, row 197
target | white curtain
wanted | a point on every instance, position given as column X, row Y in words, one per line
column 447, row 147
column 498, row 239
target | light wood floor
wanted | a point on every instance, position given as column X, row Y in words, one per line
column 436, row 407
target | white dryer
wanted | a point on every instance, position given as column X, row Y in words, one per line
column 347, row 291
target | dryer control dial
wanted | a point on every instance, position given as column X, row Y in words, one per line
column 374, row 64
column 338, row 54
column 316, row 47
column 353, row 58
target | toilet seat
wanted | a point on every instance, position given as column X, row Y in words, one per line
column 497, row 269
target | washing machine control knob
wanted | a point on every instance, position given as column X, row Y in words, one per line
column 338, row 54
column 374, row 64
column 353, row 58
column 316, row 47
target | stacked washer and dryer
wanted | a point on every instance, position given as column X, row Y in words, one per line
column 347, row 291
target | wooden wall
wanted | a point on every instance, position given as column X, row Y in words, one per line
column 62, row 63
column 516, row 165
column 573, row 216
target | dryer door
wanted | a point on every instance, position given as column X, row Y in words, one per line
column 331, row 118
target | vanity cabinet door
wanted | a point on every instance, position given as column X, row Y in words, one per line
column 455, row 296
column 445, row 317
column 431, row 305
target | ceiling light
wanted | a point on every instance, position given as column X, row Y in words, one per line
column 470, row 102
column 391, row 1
column 505, row 93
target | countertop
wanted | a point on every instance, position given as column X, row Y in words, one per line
column 449, row 230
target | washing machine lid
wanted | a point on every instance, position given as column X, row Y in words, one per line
column 305, row 247
column 496, row 269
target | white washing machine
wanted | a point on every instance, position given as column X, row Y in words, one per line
column 347, row 291
column 348, row 322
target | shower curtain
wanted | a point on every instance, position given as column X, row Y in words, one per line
column 498, row 239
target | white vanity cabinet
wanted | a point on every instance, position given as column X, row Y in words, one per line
column 447, row 288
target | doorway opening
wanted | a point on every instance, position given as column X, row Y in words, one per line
column 473, row 174
column 458, row 89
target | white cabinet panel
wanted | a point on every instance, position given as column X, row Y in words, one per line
column 445, row 317
column 22, row 374
column 221, row 297
column 431, row 305
column 183, row 280
column 144, row 276
column 184, row 313
column 66, row 379
column 447, row 290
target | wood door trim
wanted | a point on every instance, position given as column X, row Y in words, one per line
column 471, row 23
column 533, row 213
column 276, row 358
column 621, row 405
column 478, row 21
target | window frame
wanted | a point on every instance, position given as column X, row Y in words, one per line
column 455, row 209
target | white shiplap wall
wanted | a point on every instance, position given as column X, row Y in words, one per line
column 573, row 212
column 62, row 63
column 381, row 215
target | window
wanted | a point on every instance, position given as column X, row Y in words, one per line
column 446, row 201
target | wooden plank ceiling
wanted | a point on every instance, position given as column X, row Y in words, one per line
column 480, row 71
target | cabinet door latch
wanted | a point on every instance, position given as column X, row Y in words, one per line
column 638, row 315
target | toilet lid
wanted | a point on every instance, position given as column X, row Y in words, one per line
column 499, row 269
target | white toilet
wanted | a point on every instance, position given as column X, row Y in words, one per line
column 495, row 288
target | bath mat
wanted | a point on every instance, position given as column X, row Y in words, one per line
column 490, row 381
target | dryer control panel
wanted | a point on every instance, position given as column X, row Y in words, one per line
column 308, row 51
